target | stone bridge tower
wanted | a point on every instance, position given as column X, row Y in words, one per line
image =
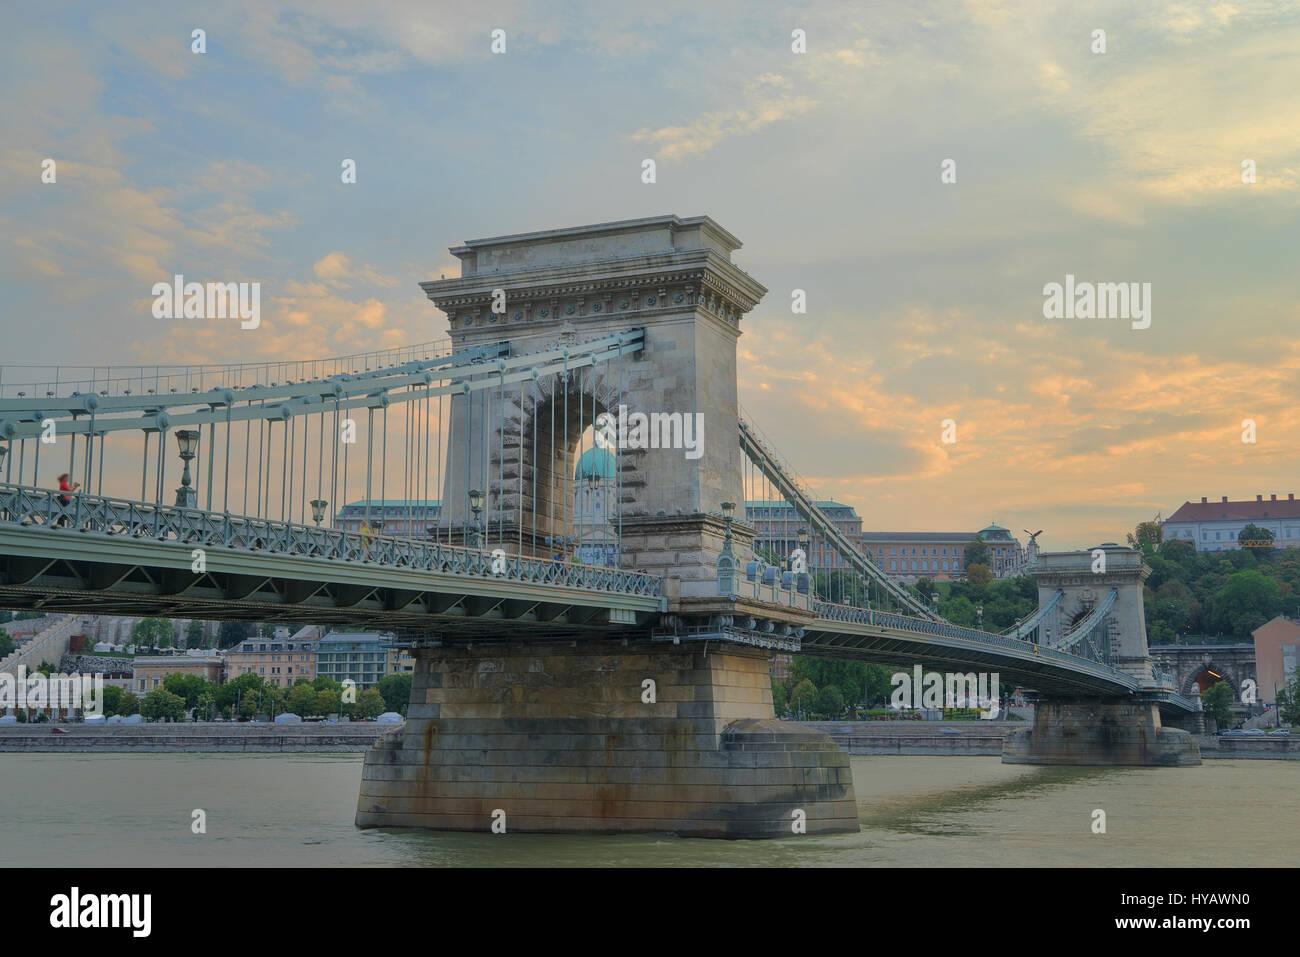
column 604, row 731
column 1098, row 599
column 1087, row 579
column 669, row 276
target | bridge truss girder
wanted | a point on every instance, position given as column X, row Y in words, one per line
column 155, row 579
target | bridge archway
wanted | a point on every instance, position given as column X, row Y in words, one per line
column 556, row 424
column 1206, row 677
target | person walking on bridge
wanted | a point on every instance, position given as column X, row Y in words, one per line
column 65, row 500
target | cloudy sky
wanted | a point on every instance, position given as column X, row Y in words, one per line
column 925, row 299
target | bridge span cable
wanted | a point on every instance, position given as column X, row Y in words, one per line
column 1023, row 629
column 802, row 503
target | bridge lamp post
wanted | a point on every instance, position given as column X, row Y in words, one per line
column 727, row 560
column 318, row 510
column 188, row 440
column 801, row 578
column 476, row 506
column 593, row 487
column 979, row 617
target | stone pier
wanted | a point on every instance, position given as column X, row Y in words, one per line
column 569, row 739
column 1099, row 731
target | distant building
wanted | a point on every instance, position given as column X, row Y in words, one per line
column 399, row 662
column 940, row 556
column 1276, row 643
column 906, row 556
column 594, row 490
column 777, row 526
column 280, row 661
column 401, row 518
column 1214, row 526
column 361, row 656
column 148, row 671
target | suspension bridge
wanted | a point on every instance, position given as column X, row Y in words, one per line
column 217, row 491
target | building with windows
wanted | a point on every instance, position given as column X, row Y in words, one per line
column 1276, row 646
column 280, row 661
column 910, row 556
column 907, row 556
column 940, row 556
column 777, row 526
column 149, row 671
column 361, row 656
column 1213, row 526
column 401, row 518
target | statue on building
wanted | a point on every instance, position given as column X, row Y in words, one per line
column 1031, row 550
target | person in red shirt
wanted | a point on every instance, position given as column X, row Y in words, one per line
column 66, row 486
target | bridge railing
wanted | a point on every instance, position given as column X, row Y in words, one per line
column 45, row 509
column 925, row 626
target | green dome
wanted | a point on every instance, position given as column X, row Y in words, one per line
column 599, row 462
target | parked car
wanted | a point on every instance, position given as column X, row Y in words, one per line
column 949, row 731
column 1254, row 731
column 1285, row 731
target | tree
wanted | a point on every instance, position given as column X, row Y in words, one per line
column 830, row 702
column 325, row 683
column 194, row 634
column 1258, row 540
column 237, row 689
column 975, row 553
column 857, row 681
column 328, row 702
column 267, row 630
column 803, row 695
column 396, row 691
column 978, row 574
column 189, row 687
column 370, row 703
column 160, row 704
column 1288, row 701
column 780, row 697
column 302, row 699
column 1146, row 537
column 153, row 633
column 232, row 633
column 1247, row 599
column 129, row 705
column 112, row 699
column 6, row 644
column 1217, row 701
column 205, row 708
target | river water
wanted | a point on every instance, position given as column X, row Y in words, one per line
column 296, row 810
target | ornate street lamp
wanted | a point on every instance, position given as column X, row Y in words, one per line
column 726, row 565
column 476, row 506
column 318, row 510
column 979, row 617
column 188, row 440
